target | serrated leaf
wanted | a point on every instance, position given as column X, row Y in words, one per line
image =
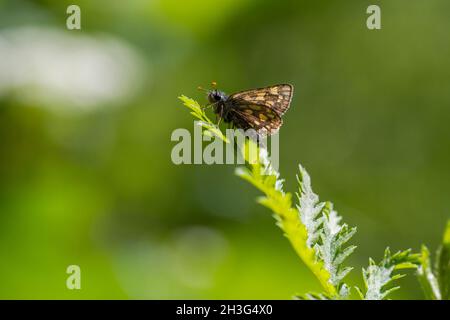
column 443, row 264
column 325, row 233
column 360, row 293
column 426, row 277
column 378, row 278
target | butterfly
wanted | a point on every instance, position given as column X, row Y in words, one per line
column 258, row 109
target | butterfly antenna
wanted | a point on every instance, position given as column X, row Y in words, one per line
column 202, row 89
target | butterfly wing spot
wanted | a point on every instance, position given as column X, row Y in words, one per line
column 277, row 97
column 260, row 97
column 274, row 90
column 265, row 120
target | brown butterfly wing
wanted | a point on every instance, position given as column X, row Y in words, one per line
column 263, row 119
column 277, row 97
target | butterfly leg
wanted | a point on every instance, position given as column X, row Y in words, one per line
column 220, row 116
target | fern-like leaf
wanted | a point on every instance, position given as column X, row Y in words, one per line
column 436, row 281
column 379, row 278
column 262, row 175
column 427, row 278
column 309, row 207
column 209, row 128
column 325, row 233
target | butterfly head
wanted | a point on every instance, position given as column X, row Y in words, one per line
column 216, row 96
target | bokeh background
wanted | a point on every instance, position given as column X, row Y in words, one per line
column 86, row 118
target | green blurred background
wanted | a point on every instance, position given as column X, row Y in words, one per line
column 86, row 118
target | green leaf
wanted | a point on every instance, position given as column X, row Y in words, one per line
column 427, row 279
column 197, row 111
column 262, row 175
column 435, row 281
column 379, row 278
column 443, row 264
column 309, row 207
column 325, row 233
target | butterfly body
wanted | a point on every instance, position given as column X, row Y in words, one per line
column 221, row 106
column 259, row 109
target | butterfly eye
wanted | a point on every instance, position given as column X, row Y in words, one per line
column 213, row 97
